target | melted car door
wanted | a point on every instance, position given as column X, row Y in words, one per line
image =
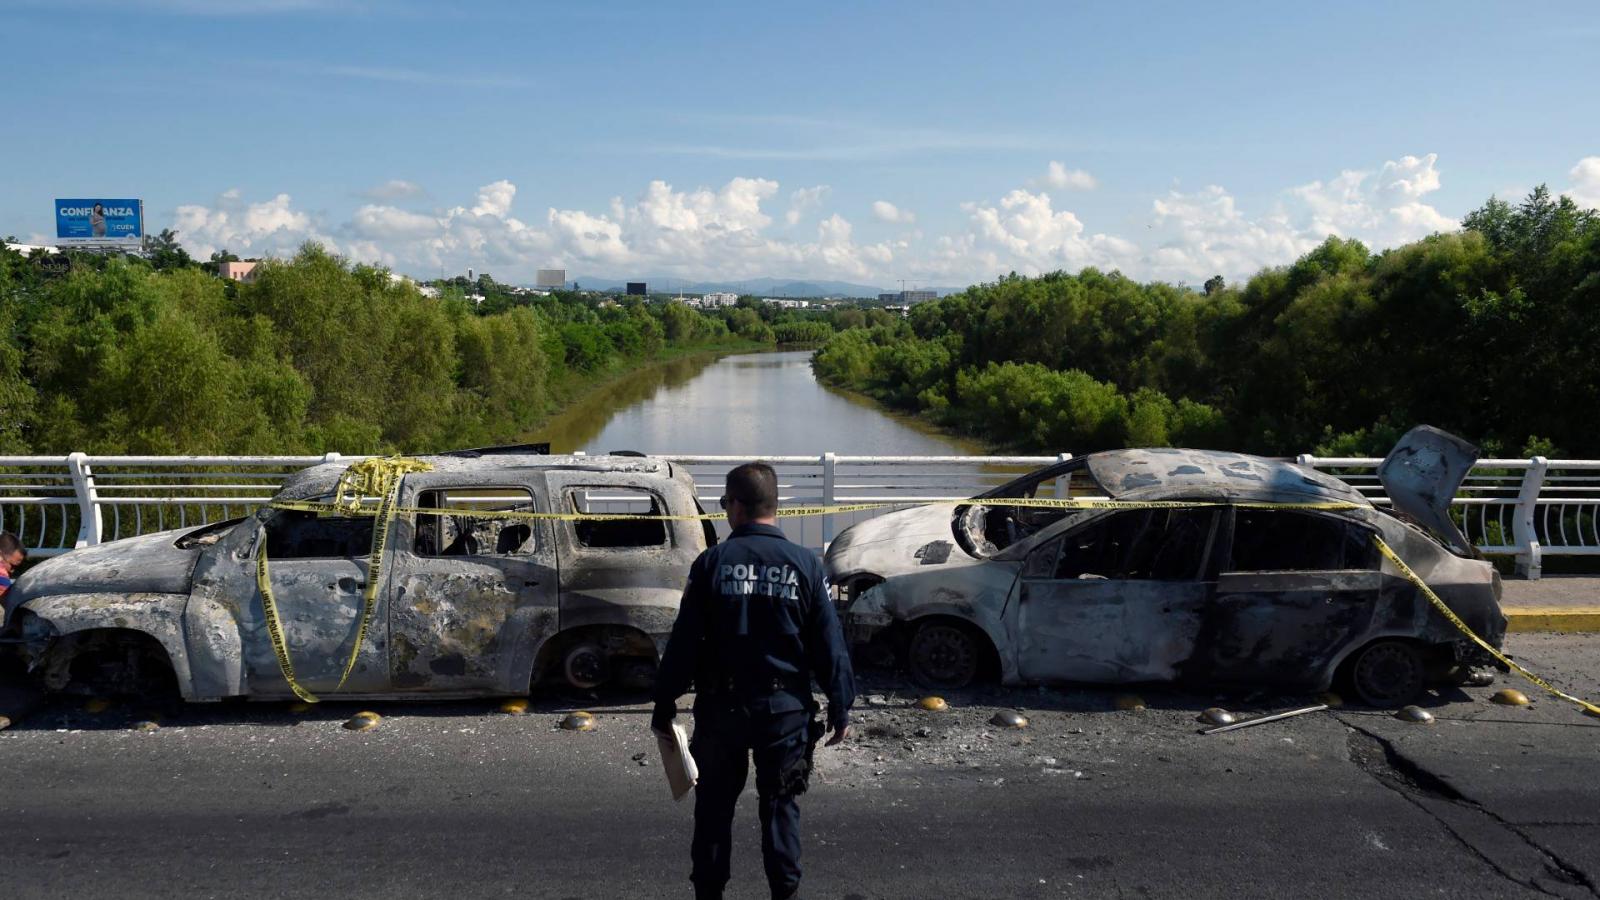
column 1298, row 588
column 1116, row 599
column 472, row 593
column 318, row 570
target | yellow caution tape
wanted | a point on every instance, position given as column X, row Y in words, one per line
column 269, row 611
column 790, row 512
column 377, row 477
column 1455, row 620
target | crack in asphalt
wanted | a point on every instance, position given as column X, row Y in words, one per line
column 1377, row 756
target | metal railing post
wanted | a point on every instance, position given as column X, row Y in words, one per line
column 1529, row 554
column 91, row 529
column 828, row 460
column 1063, row 482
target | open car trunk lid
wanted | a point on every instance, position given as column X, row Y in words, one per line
column 1421, row 475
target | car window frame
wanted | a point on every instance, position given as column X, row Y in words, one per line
column 567, row 492
column 1052, row 547
column 532, row 543
column 1225, row 555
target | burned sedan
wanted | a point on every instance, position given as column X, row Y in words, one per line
column 471, row 598
column 1233, row 575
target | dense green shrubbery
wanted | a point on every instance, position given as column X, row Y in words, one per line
column 1490, row 332
column 121, row 356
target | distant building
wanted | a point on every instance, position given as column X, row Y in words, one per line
column 906, row 298
column 716, row 299
column 787, row 304
column 243, row 270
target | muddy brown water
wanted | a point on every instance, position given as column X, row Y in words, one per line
column 748, row 403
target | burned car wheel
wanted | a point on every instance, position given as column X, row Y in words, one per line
column 943, row 655
column 1388, row 673
column 586, row 666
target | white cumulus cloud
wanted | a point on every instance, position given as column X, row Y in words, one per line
column 884, row 211
column 248, row 229
column 803, row 201
column 1060, row 177
column 392, row 190
column 729, row 231
column 1585, row 190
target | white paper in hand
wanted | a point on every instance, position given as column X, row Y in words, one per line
column 677, row 760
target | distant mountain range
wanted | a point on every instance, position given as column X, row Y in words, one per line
column 765, row 287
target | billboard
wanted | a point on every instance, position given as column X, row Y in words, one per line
column 99, row 219
column 551, row 278
column 636, row 289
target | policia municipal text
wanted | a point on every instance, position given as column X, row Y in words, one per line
column 755, row 626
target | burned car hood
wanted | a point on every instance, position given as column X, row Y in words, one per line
column 896, row 541
column 150, row 563
column 1421, row 476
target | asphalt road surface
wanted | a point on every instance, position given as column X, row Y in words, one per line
column 1087, row 801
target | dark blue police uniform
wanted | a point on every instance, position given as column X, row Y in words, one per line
column 755, row 626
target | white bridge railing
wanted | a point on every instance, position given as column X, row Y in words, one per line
column 1529, row 508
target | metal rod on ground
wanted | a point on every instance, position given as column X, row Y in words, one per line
column 1262, row 720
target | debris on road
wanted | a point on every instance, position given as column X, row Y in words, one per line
column 147, row 725
column 933, row 704
column 1216, row 715
column 1262, row 720
column 1510, row 697
column 516, row 706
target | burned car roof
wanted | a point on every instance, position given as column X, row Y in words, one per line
column 319, row 480
column 1198, row 474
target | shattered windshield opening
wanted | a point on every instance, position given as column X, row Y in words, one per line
column 987, row 529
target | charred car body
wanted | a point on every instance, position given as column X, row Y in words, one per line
column 478, row 604
column 1229, row 590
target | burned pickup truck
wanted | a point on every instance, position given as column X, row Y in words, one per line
column 1242, row 569
column 472, row 599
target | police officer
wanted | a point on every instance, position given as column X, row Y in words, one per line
column 755, row 626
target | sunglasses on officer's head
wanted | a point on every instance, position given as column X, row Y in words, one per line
column 724, row 500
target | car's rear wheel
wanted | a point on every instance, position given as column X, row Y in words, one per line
column 944, row 655
column 586, row 666
column 1388, row 674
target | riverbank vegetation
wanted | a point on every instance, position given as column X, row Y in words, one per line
column 126, row 355
column 1489, row 332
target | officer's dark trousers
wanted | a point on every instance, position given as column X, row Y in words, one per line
column 725, row 738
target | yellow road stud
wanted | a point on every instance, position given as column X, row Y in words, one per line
column 1414, row 714
column 1330, row 699
column 578, row 721
column 5, row 722
column 933, row 704
column 1510, row 697
column 147, row 725
column 1130, row 702
column 516, row 706
column 1007, row 718
column 1216, row 715
column 97, row 705
column 363, row 721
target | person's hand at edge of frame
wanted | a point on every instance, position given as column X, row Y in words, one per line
column 661, row 719
column 837, row 734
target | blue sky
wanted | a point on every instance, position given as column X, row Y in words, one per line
column 937, row 143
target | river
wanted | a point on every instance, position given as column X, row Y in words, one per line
column 747, row 404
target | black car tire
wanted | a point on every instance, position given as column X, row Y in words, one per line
column 1389, row 674
column 943, row 655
